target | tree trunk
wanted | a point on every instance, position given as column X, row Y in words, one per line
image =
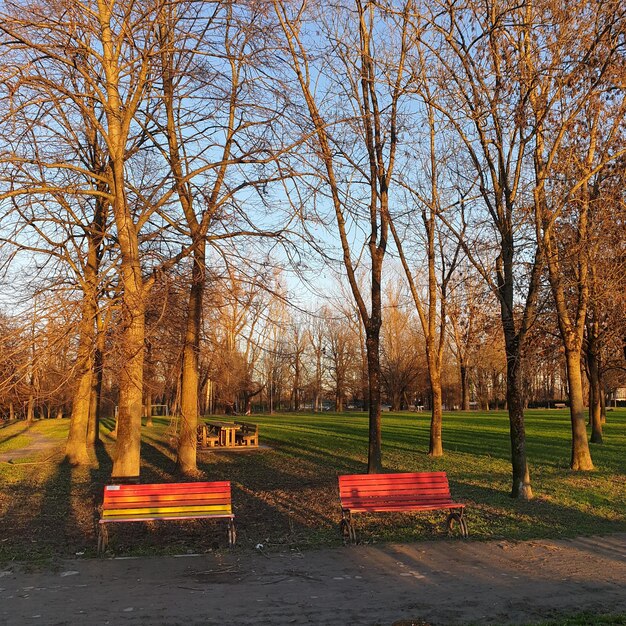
column 76, row 451
column 521, row 476
column 318, row 382
column 602, row 402
column 581, row 456
column 147, row 392
column 93, row 431
column 339, row 398
column 595, row 394
column 296, row 384
column 127, row 460
column 465, row 397
column 521, row 487
column 374, row 457
column 148, row 408
column 186, row 461
column 435, row 447
column 128, row 448
column 396, row 398
column 82, row 425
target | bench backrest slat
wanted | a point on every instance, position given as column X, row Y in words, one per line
column 404, row 486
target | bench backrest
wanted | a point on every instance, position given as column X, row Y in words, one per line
column 248, row 427
column 356, row 490
column 167, row 501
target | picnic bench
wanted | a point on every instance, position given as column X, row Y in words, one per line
column 173, row 501
column 225, row 432
column 207, row 436
column 248, row 434
column 373, row 493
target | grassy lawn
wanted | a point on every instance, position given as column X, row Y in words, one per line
column 286, row 497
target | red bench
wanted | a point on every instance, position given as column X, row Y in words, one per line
column 373, row 493
column 173, row 501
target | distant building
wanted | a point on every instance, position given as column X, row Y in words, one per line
column 618, row 397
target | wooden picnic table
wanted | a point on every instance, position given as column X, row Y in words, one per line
column 226, row 432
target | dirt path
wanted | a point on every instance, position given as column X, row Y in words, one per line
column 38, row 443
column 440, row 582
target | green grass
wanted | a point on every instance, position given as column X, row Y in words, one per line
column 286, row 496
column 477, row 462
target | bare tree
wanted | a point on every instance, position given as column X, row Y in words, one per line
column 209, row 80
column 478, row 93
column 111, row 48
column 568, row 69
column 364, row 68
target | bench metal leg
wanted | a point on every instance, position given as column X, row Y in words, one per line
column 346, row 527
column 232, row 533
column 457, row 517
column 103, row 538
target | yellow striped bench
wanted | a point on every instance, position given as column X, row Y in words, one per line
column 173, row 501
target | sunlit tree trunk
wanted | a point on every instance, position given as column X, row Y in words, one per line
column 186, row 458
column 76, row 449
column 435, row 447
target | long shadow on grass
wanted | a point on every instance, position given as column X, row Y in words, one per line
column 21, row 432
column 100, row 475
column 157, row 462
column 64, row 522
column 528, row 519
column 276, row 500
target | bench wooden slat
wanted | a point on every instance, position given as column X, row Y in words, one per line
column 165, row 488
column 363, row 480
column 382, row 490
column 402, row 507
column 155, row 510
column 408, row 499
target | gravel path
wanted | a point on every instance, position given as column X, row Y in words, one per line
column 439, row 582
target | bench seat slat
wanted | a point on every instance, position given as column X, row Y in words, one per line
column 404, row 507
